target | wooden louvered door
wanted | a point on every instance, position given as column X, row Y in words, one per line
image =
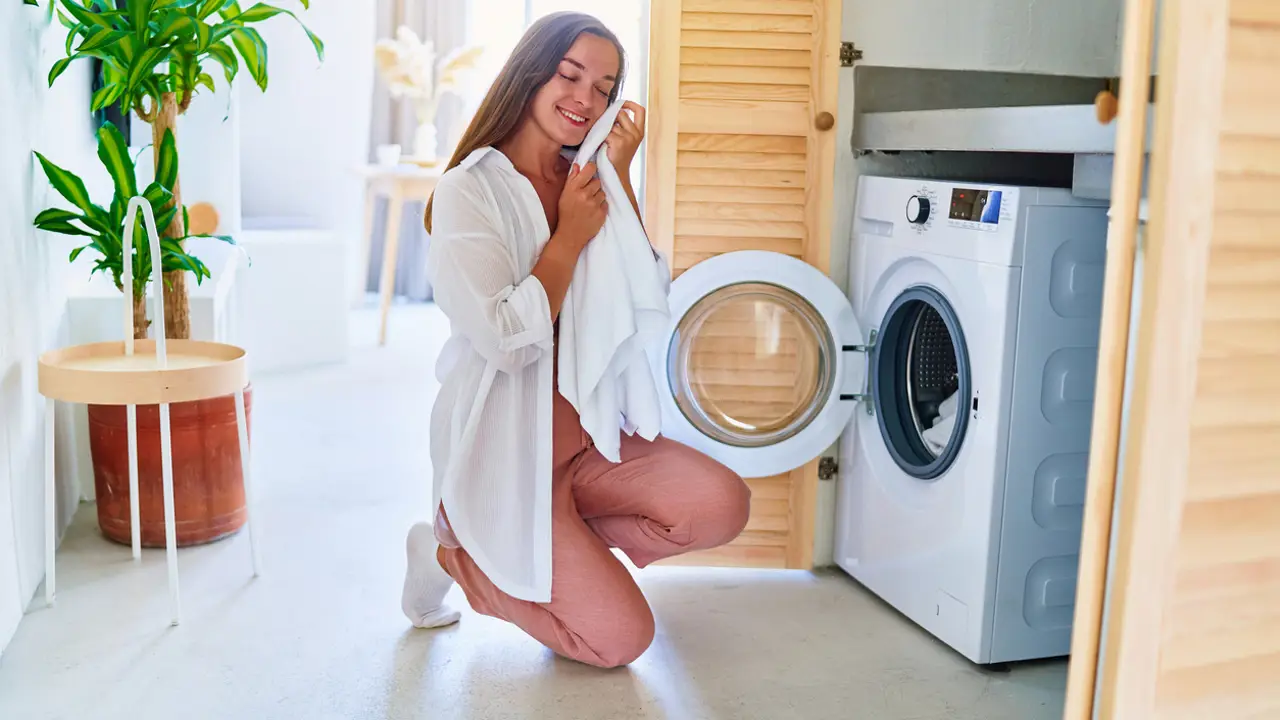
column 740, row 157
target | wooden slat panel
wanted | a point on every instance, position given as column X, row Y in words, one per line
column 741, row 228
column 744, row 40
column 742, row 161
column 1249, row 194
column 769, row 515
column 745, row 58
column 777, row 487
column 736, row 211
column 718, row 91
column 744, row 117
column 1244, row 266
column 739, row 74
column 744, row 22
column 754, row 7
column 742, row 143
column 1252, row 99
column 1261, row 12
column 1255, row 43
column 1244, row 338
column 717, row 244
column 743, row 178
column 1249, row 155
column 1237, row 530
column 1254, row 454
column 1235, row 230
column 755, row 196
column 1242, row 303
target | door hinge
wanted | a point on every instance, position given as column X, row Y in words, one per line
column 827, row 468
column 849, row 54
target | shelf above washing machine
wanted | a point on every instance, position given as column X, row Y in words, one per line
column 1064, row 129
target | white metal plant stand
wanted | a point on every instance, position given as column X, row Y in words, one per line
column 143, row 372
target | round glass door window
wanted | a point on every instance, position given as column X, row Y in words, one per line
column 921, row 382
column 751, row 364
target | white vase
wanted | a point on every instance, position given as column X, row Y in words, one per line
column 424, row 142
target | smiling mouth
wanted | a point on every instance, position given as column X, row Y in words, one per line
column 574, row 118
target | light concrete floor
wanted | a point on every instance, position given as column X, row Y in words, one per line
column 341, row 461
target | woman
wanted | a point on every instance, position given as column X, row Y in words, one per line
column 527, row 510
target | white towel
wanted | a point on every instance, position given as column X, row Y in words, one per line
column 937, row 436
column 616, row 306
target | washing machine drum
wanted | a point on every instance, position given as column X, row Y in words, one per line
column 920, row 382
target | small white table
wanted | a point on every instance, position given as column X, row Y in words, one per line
column 398, row 183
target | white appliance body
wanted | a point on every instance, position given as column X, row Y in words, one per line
column 978, row 546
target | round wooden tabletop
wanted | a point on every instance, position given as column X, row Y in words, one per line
column 101, row 373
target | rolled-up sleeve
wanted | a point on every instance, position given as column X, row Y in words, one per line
column 506, row 316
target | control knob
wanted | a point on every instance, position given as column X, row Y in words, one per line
column 917, row 210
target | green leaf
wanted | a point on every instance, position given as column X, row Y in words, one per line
column 107, row 95
column 164, row 217
column 113, row 151
column 263, row 11
column 64, row 228
column 204, row 36
column 224, row 238
column 157, row 195
column 56, row 215
column 254, row 51
column 139, row 13
column 67, row 184
column 146, row 65
column 76, row 253
column 174, row 25
column 67, row 22
column 258, row 13
column 209, row 7
column 59, row 68
column 86, row 16
column 100, row 38
column 226, row 57
column 206, row 80
column 32, row 2
column 167, row 164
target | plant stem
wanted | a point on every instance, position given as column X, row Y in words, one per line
column 177, row 311
column 140, row 322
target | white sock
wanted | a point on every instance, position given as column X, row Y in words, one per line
column 425, row 582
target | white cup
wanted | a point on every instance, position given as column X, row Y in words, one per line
column 388, row 155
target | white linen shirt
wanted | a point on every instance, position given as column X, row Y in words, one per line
column 491, row 423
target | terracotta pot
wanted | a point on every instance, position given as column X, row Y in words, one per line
column 208, row 486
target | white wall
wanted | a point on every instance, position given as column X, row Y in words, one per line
column 302, row 140
column 33, row 279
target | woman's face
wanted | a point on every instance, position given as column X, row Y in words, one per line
column 567, row 106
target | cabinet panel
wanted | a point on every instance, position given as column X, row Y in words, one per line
column 1059, row 37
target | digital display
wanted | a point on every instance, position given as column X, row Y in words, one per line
column 980, row 206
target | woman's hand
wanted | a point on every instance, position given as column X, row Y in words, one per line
column 583, row 206
column 624, row 139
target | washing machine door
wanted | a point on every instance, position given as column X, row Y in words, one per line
column 762, row 364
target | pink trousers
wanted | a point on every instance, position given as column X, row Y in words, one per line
column 663, row 499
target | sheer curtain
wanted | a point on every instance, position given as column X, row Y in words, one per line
column 444, row 23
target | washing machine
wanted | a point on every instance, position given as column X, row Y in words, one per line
column 958, row 374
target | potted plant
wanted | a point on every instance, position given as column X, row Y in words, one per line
column 101, row 230
column 155, row 57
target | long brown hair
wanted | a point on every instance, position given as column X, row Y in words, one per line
column 533, row 62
